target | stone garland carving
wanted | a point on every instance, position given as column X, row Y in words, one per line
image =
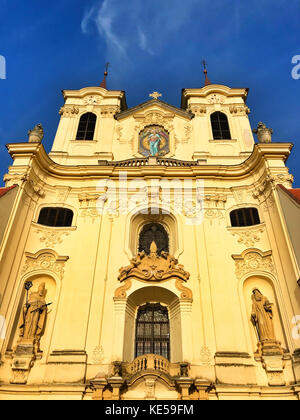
column 69, row 111
column 197, row 109
column 239, row 110
column 51, row 237
column 15, row 178
column 249, row 237
column 270, row 180
column 109, row 111
column 281, row 179
column 253, row 260
column 45, row 260
column 18, row 178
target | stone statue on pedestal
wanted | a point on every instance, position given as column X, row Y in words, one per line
column 263, row 133
column 36, row 135
column 262, row 317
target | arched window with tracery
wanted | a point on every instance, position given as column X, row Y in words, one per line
column 152, row 331
column 86, row 127
column 220, row 126
column 153, row 232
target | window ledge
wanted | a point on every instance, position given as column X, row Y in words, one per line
column 240, row 228
column 84, row 141
column 63, row 228
column 222, row 141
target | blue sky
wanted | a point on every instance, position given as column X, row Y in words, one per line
column 151, row 45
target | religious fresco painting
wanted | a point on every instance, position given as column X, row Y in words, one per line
column 154, row 141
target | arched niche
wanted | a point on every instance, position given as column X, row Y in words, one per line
column 147, row 216
column 153, row 294
column 51, row 297
column 266, row 287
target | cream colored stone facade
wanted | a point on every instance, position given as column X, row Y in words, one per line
column 87, row 343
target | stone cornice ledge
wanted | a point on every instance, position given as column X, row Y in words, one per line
column 261, row 153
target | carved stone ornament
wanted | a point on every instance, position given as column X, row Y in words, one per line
column 206, row 356
column 153, row 267
column 248, row 237
column 109, row 111
column 36, row 135
column 239, row 110
column 15, row 178
column 91, row 205
column 197, row 109
column 216, row 99
column 51, row 237
column 45, row 260
column 281, row 179
column 263, row 133
column 253, row 261
column 98, row 355
column 69, row 111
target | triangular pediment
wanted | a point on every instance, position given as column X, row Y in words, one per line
column 164, row 109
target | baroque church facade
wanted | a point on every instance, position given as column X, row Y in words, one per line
column 151, row 254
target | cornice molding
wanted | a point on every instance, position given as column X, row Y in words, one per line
column 261, row 153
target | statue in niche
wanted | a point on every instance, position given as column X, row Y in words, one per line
column 262, row 317
column 34, row 315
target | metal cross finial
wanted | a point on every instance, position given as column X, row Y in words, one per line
column 207, row 81
column 155, row 95
column 106, row 68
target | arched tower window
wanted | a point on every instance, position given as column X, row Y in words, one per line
column 86, row 127
column 244, row 217
column 220, row 126
column 153, row 232
column 56, row 217
column 152, row 331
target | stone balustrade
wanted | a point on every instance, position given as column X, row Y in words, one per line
column 149, row 362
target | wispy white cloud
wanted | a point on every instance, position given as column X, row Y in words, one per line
column 137, row 25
